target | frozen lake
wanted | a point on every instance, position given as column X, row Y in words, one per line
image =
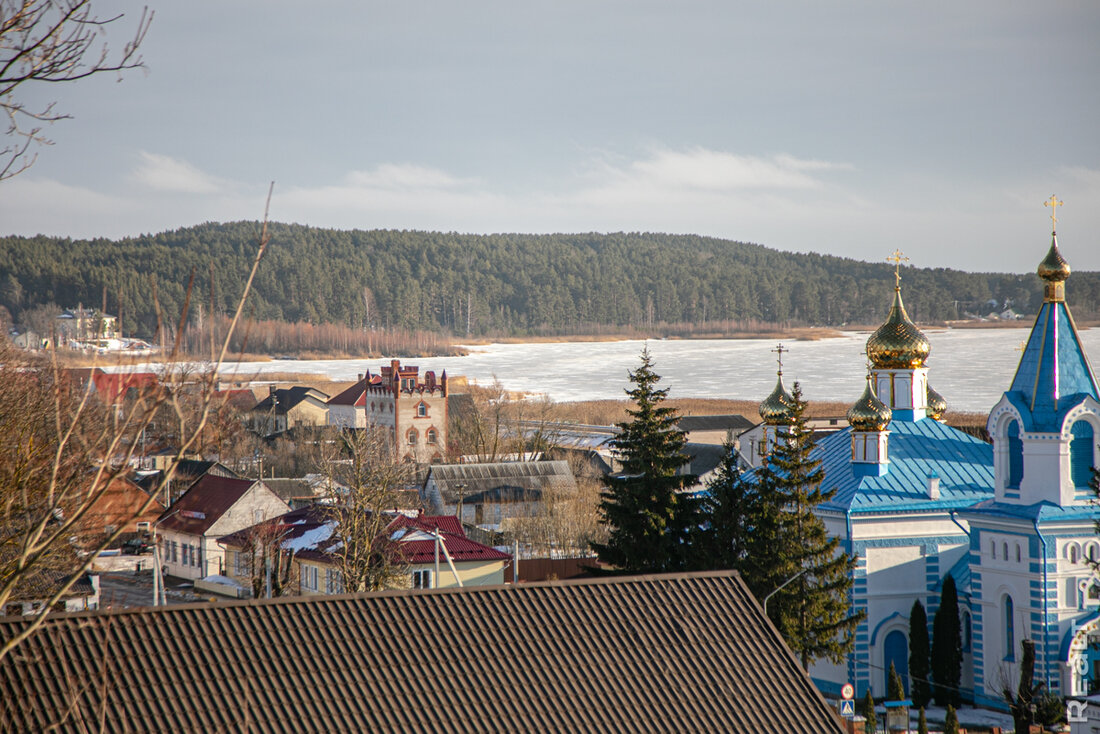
column 969, row 367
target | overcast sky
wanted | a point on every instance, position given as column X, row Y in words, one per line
column 848, row 128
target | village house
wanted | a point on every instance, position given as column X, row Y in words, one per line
column 494, row 493
column 411, row 406
column 286, row 409
column 669, row 653
column 119, row 507
column 87, row 327
column 187, row 533
column 307, row 537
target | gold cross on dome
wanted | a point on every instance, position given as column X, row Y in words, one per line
column 897, row 258
column 779, row 349
column 1053, row 203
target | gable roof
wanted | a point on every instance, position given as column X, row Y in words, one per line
column 285, row 400
column 203, row 503
column 963, row 463
column 309, row 533
column 683, row 652
column 731, row 422
column 527, row 476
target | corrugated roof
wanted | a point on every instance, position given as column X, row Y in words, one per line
column 203, row 503
column 675, row 653
column 917, row 449
column 523, row 475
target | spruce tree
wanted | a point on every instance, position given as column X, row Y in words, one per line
column 919, row 655
column 951, row 721
column 896, row 690
column 867, row 711
column 650, row 519
column 788, row 538
column 947, row 647
column 728, row 508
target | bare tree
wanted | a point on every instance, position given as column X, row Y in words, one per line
column 60, row 454
column 270, row 565
column 366, row 483
column 52, row 41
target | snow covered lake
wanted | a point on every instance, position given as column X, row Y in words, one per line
column 969, row 367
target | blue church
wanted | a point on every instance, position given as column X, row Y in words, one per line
column 1012, row 522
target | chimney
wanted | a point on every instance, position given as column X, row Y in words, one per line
column 933, row 486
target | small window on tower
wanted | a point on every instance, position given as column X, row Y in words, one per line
column 421, row 409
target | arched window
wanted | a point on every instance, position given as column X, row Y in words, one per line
column 1015, row 456
column 1017, row 553
column 421, row 409
column 411, row 436
column 1004, row 551
column 1010, row 630
column 1081, row 442
column 431, row 436
column 1073, row 553
column 993, row 549
column 966, row 631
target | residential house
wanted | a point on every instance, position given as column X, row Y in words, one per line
column 412, row 406
column 88, row 327
column 308, row 533
column 286, row 409
column 120, row 506
column 214, row 506
column 35, row 591
column 492, row 494
column 668, row 653
column 713, row 429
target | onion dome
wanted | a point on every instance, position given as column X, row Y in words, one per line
column 777, row 407
column 937, row 406
column 898, row 343
column 869, row 414
column 1054, row 267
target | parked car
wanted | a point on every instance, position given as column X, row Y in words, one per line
column 137, row 546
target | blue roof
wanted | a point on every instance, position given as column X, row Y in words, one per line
column 1054, row 373
column 961, row 573
column 917, row 449
column 1039, row 512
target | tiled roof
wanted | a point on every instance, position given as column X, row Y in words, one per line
column 203, row 503
column 917, row 449
column 675, row 653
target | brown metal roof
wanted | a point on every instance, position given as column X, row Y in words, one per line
column 676, row 653
column 207, row 500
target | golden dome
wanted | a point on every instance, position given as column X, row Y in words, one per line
column 898, row 343
column 776, row 408
column 869, row 413
column 1054, row 267
column 937, row 406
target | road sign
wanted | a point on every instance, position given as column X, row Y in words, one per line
column 847, row 708
column 847, row 692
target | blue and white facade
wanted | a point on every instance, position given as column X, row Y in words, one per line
column 1012, row 522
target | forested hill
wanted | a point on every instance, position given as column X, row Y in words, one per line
column 492, row 283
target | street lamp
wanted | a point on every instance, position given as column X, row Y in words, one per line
column 779, row 588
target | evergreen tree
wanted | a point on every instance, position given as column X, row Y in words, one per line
column 867, row 711
column 951, row 721
column 947, row 647
column 788, row 538
column 922, row 722
column 896, row 690
column 728, row 509
column 919, row 655
column 650, row 519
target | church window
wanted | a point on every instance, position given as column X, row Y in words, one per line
column 1010, row 630
column 993, row 550
column 1017, row 553
column 1091, row 552
column 1080, row 453
column 1073, row 553
column 966, row 631
column 1004, row 551
column 1015, row 456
